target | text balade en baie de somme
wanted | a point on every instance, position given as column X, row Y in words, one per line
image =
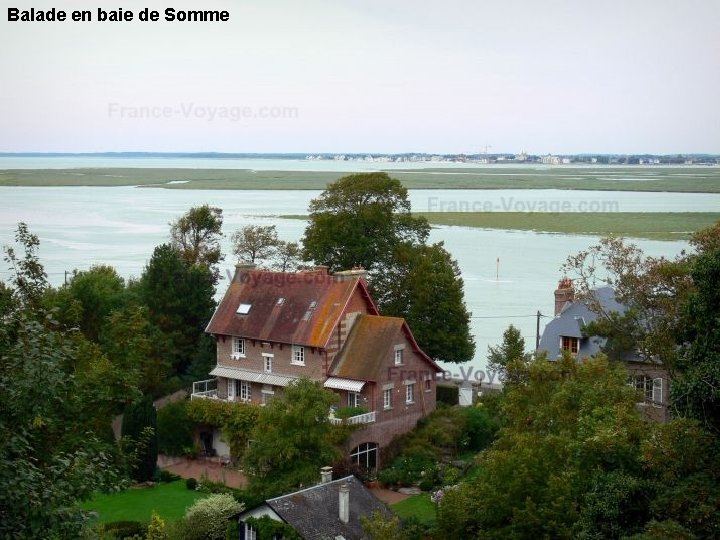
column 114, row 15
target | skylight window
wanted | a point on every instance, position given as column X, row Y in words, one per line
column 244, row 309
column 280, row 301
column 313, row 304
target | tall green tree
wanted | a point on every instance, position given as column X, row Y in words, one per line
column 365, row 219
column 57, row 401
column 196, row 236
column 291, row 439
column 695, row 391
column 180, row 304
column 99, row 291
column 423, row 285
column 140, row 425
column 509, row 358
column 359, row 220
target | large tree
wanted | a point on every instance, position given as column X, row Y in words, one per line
column 695, row 391
column 509, row 358
column 291, row 439
column 253, row 243
column 180, row 303
column 196, row 235
column 422, row 284
column 365, row 219
column 359, row 220
column 58, row 396
column 652, row 289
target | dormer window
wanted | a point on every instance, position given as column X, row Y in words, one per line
column 570, row 344
column 399, row 361
column 244, row 309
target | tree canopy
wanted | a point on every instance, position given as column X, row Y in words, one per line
column 359, row 220
column 291, row 439
column 196, row 236
column 365, row 219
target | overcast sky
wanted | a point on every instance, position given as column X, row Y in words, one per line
column 552, row 76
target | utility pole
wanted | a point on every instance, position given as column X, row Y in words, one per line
column 537, row 331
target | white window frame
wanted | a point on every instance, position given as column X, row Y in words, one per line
column 657, row 392
column 238, row 348
column 387, row 398
column 267, row 362
column 298, row 355
column 410, row 393
column 354, row 399
column 231, row 389
column 250, row 533
column 399, row 360
column 245, row 393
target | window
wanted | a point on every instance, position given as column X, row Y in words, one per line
column 244, row 309
column 410, row 393
column 353, row 399
column 268, row 362
column 238, row 347
column 398, row 357
column 428, row 384
column 650, row 388
column 250, row 533
column 570, row 344
column 267, row 394
column 231, row 389
column 365, row 455
column 298, row 355
column 387, row 398
column 245, row 391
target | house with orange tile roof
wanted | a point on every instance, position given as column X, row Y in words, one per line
column 273, row 328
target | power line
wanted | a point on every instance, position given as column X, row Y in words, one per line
column 508, row 316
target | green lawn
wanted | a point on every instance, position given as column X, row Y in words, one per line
column 418, row 506
column 676, row 179
column 168, row 500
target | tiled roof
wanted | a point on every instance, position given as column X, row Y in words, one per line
column 368, row 345
column 568, row 323
column 314, row 512
column 300, row 308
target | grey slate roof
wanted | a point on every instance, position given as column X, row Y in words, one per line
column 314, row 512
column 571, row 319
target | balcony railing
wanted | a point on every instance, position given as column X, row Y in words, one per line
column 367, row 418
column 204, row 389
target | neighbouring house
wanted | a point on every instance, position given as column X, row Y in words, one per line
column 331, row 509
column 565, row 333
column 272, row 328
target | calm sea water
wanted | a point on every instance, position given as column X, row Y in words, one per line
column 120, row 226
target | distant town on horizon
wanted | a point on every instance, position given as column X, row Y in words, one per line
column 482, row 158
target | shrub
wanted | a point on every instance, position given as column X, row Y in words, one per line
column 191, row 484
column 125, row 529
column 174, row 429
column 207, row 518
column 167, row 476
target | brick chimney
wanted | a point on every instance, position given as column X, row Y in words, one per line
column 243, row 267
column 325, row 475
column 355, row 272
column 344, row 503
column 563, row 294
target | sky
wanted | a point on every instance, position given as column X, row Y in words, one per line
column 557, row 76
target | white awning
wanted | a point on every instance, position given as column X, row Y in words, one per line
column 344, row 384
column 252, row 376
